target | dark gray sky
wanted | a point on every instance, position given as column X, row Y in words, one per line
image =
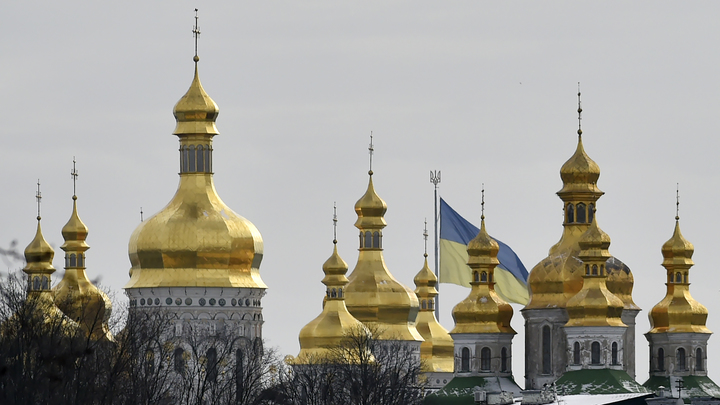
column 484, row 91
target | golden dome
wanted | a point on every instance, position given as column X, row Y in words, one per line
column 438, row 349
column 483, row 311
column 75, row 295
column 594, row 304
column 196, row 112
column 196, row 240
column 373, row 295
column 558, row 277
column 326, row 332
column 39, row 254
column 678, row 312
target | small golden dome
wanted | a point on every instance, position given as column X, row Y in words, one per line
column 39, row 254
column 580, row 173
column 370, row 209
column 327, row 332
column 438, row 349
column 196, row 112
column 678, row 312
column 594, row 304
column 75, row 231
column 483, row 311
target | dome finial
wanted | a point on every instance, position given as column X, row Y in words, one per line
column 335, row 223
column 579, row 113
column 196, row 33
column 677, row 201
column 142, row 219
column 482, row 203
column 74, row 174
column 38, row 197
column 371, row 149
column 425, row 236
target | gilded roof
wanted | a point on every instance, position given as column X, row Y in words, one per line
column 196, row 112
column 39, row 254
column 483, row 311
column 580, row 173
column 678, row 312
column 370, row 209
column 438, row 349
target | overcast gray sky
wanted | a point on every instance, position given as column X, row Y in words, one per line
column 484, row 91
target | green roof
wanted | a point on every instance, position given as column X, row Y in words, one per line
column 459, row 391
column 693, row 386
column 599, row 381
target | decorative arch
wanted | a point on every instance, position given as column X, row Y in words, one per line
column 699, row 360
column 595, row 353
column 485, row 357
column 681, row 359
column 581, row 214
column 465, row 360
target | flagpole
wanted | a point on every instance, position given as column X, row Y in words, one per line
column 435, row 180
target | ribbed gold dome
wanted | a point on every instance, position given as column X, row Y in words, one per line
column 558, row 277
column 594, row 304
column 483, row 311
column 196, row 240
column 196, row 112
column 326, row 332
column 678, row 312
column 437, row 351
column 75, row 295
column 373, row 295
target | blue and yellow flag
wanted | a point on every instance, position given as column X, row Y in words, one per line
column 455, row 234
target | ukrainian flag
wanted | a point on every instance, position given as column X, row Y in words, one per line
column 455, row 234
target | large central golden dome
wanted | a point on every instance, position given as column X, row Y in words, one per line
column 196, row 240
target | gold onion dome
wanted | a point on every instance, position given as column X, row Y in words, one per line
column 558, row 277
column 196, row 240
column 437, row 351
column 326, row 332
column 678, row 312
column 39, row 254
column 75, row 295
column 373, row 295
column 483, row 311
column 594, row 304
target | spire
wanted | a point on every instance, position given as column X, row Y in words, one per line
column 483, row 311
column 579, row 114
column 371, row 149
column 370, row 208
column 75, row 232
column 39, row 256
column 196, row 112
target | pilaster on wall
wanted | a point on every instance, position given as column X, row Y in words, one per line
column 537, row 372
column 628, row 318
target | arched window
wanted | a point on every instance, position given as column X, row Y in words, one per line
column 678, row 277
column 681, row 364
column 333, row 294
column 570, row 213
column 179, row 360
column 614, row 353
column 576, row 353
column 431, row 303
column 504, row 360
column 546, row 350
column 699, row 361
column 81, row 260
column 36, row 283
column 209, row 158
column 594, row 270
column 45, row 283
column 424, row 304
column 340, row 293
column 661, row 359
column 686, row 275
column 587, row 269
column 465, row 360
column 581, row 213
column 483, row 277
column 73, row 260
column 476, row 277
column 361, row 240
column 595, row 353
column 200, row 159
column 368, row 239
column 490, row 277
column 376, row 239
column 191, row 160
column 185, row 159
column 149, row 363
column 485, row 359
column 212, row 371
column 208, row 169
column 591, row 212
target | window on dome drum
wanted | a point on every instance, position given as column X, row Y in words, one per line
column 191, row 158
column 685, row 278
column 431, row 304
column 45, row 283
column 424, row 304
column 681, row 364
column 368, row 239
column 504, row 359
column 699, row 361
column 490, row 277
column 591, row 212
column 179, row 361
column 73, row 260
column 81, row 259
column 476, row 278
column 678, row 277
column 595, row 353
column 485, row 359
column 36, row 283
column 333, row 294
column 211, row 356
column 465, row 360
column 185, row 167
column 376, row 239
column 570, row 213
column 340, row 293
column 208, row 161
column 200, row 159
column 661, row 359
column 483, row 277
column 615, row 353
column 546, row 350
column 581, row 213
column 576, row 353
column 594, row 270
